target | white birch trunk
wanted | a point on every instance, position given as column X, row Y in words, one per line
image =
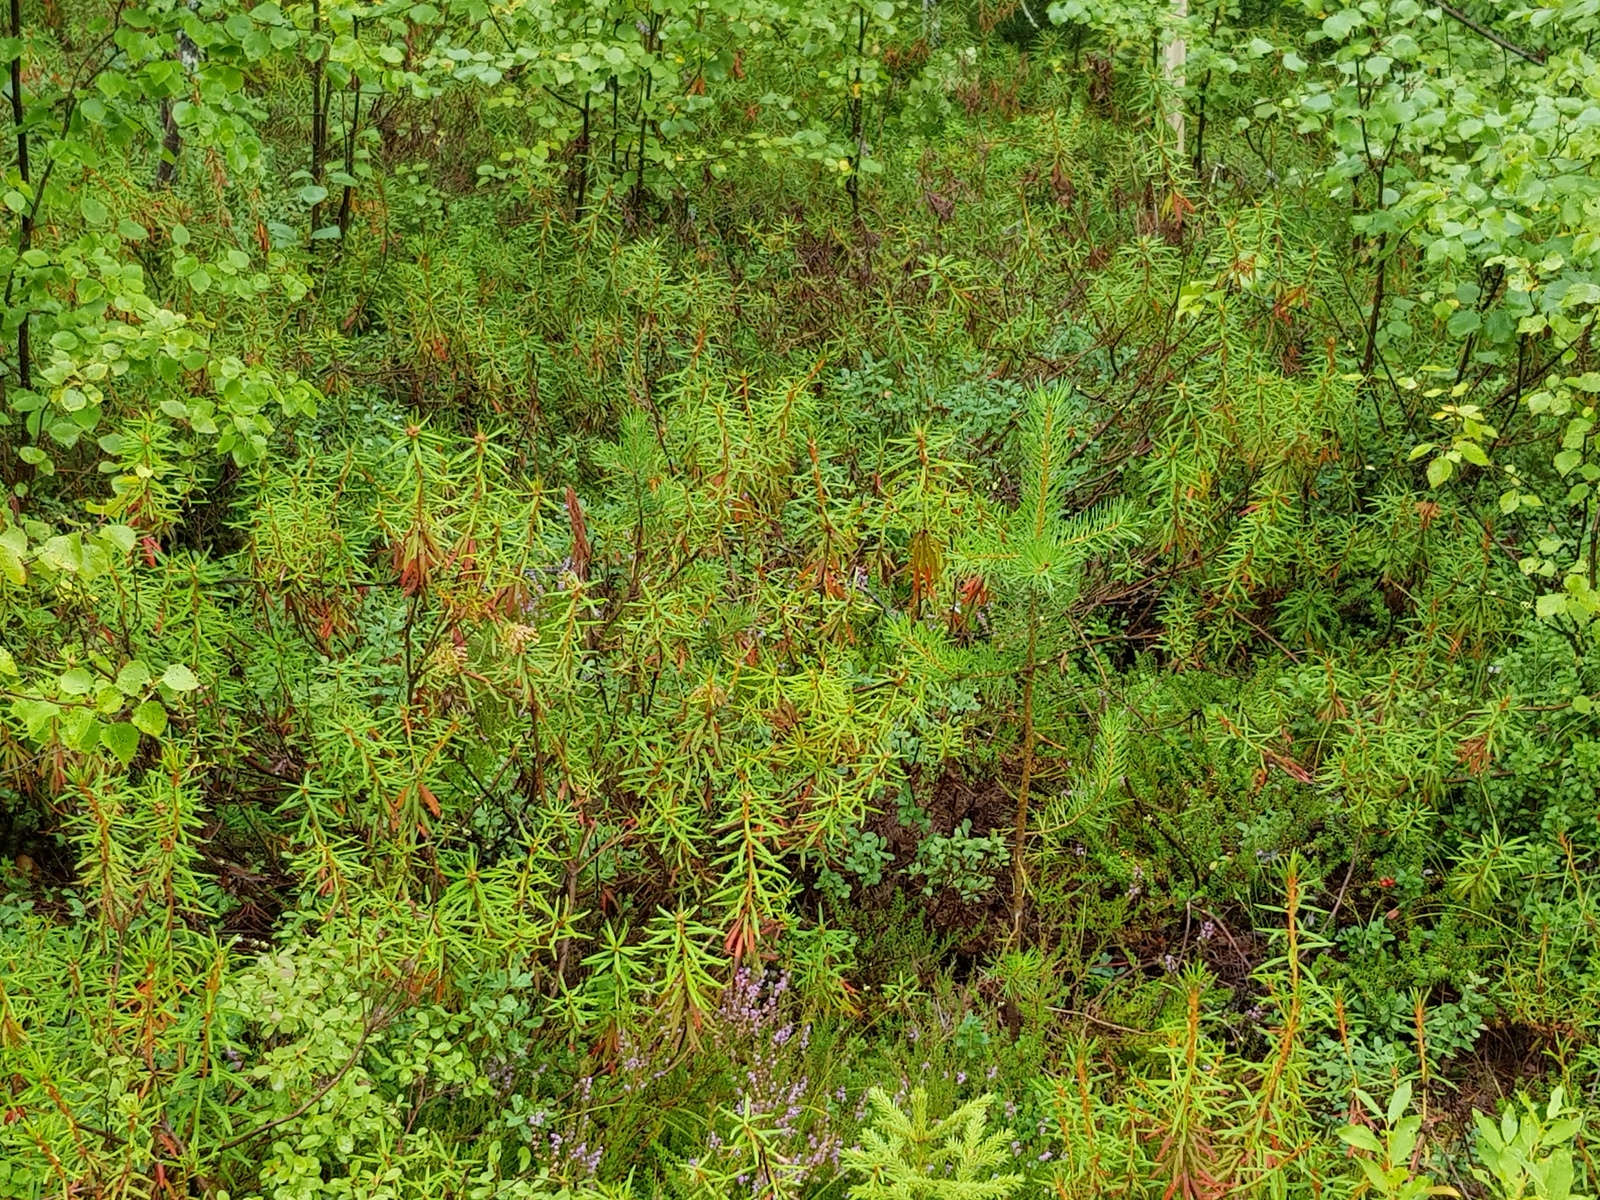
column 1177, row 51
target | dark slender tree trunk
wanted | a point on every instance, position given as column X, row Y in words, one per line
column 348, row 198
column 319, row 113
column 857, row 115
column 25, row 231
column 171, row 146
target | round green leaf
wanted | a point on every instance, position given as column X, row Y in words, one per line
column 180, row 678
column 150, row 718
column 122, row 739
column 133, row 678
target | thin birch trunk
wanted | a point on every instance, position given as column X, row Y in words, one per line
column 1177, row 52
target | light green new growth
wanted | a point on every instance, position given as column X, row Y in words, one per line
column 906, row 1156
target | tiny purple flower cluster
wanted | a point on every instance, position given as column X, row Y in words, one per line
column 639, row 1067
column 757, row 1037
column 560, row 1142
column 501, row 1073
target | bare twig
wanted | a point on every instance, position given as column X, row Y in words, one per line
column 1536, row 57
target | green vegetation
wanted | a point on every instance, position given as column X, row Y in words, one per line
column 777, row 598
